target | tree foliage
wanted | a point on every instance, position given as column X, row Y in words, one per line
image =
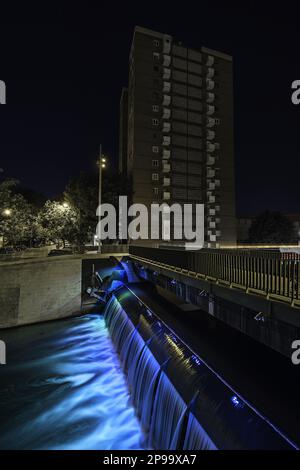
column 82, row 193
column 26, row 217
column 17, row 218
column 58, row 223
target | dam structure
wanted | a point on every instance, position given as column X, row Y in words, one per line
column 181, row 402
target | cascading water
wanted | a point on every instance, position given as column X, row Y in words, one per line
column 168, row 412
column 63, row 388
column 180, row 401
column 143, row 378
column 196, row 437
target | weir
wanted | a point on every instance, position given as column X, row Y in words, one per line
column 181, row 402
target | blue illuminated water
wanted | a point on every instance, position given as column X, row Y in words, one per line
column 63, row 388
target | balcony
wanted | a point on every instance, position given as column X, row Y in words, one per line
column 166, row 127
column 210, row 97
column 166, row 87
column 211, row 135
column 210, row 84
column 210, row 109
column 166, row 182
column 210, row 173
column 210, row 161
column 166, row 168
column 210, row 147
column 167, row 44
column 166, row 100
column 166, row 60
column 210, row 61
column 166, row 113
column 166, row 154
column 210, row 122
column 166, row 74
column 166, row 140
column 210, row 73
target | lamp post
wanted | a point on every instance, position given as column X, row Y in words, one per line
column 7, row 213
column 102, row 165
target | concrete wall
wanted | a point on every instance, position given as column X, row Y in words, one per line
column 37, row 290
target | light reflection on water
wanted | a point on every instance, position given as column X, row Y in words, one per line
column 63, row 388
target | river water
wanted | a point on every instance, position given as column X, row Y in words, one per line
column 63, row 388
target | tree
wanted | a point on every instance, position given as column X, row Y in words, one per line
column 271, row 227
column 81, row 193
column 59, row 223
column 17, row 216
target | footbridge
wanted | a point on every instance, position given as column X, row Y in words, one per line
column 254, row 291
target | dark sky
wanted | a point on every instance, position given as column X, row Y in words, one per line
column 64, row 68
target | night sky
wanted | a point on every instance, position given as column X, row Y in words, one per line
column 64, row 68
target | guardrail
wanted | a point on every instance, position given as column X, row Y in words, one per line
column 267, row 271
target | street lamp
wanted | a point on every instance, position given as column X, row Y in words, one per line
column 102, row 165
column 7, row 212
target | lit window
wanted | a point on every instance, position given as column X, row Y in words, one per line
column 156, row 43
column 156, row 56
column 155, row 149
column 154, row 162
column 155, row 108
column 217, row 121
column 155, row 122
column 155, row 177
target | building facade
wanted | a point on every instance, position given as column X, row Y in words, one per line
column 180, row 130
column 123, row 131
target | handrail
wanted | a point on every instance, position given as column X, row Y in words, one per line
column 271, row 273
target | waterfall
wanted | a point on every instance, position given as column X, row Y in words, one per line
column 168, row 411
column 182, row 404
column 196, row 437
column 143, row 378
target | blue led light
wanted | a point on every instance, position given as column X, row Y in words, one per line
column 237, row 402
column 196, row 360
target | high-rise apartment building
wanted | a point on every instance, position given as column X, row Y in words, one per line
column 180, row 129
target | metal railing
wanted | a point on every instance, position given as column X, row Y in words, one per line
column 267, row 271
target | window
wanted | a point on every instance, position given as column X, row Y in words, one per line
column 217, row 121
column 156, row 42
column 155, row 149
column 155, row 96
column 155, row 163
column 156, row 56
column 155, row 177
column 156, row 83
column 155, row 122
column 155, row 108
column 156, row 68
column 155, row 191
